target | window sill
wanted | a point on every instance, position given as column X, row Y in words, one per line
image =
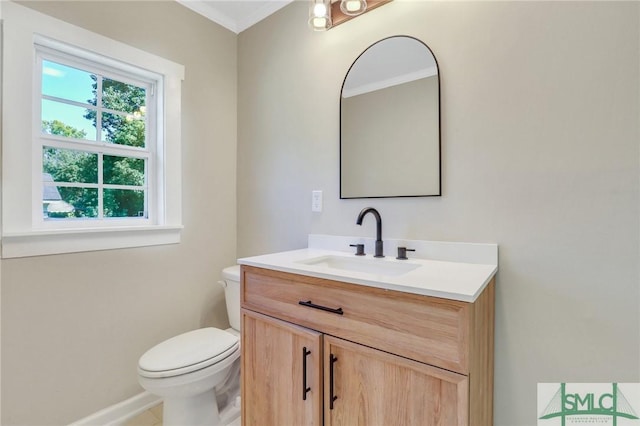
column 40, row 243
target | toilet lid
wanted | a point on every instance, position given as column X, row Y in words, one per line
column 188, row 352
column 231, row 273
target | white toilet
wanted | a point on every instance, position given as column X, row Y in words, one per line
column 198, row 373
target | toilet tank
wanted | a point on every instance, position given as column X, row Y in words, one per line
column 231, row 283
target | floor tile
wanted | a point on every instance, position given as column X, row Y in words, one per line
column 146, row 418
column 157, row 411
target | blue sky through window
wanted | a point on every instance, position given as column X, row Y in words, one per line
column 67, row 83
column 76, row 85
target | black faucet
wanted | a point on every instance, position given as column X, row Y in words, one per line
column 375, row 213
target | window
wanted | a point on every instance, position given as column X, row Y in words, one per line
column 91, row 160
column 96, row 139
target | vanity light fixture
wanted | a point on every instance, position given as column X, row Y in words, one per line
column 325, row 14
column 320, row 15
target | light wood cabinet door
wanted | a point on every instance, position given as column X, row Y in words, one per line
column 364, row 386
column 281, row 373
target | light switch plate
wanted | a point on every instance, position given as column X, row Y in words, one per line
column 316, row 201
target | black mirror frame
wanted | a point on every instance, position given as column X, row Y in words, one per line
column 439, row 125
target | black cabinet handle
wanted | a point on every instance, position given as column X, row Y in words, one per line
column 305, row 389
column 332, row 360
column 322, row 308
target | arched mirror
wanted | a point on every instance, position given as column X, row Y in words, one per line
column 390, row 122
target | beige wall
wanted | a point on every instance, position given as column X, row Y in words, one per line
column 74, row 326
column 540, row 107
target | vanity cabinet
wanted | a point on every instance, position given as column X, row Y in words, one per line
column 372, row 387
column 318, row 351
column 276, row 355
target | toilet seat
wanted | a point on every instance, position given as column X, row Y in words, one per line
column 188, row 352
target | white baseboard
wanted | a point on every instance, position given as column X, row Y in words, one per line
column 118, row 414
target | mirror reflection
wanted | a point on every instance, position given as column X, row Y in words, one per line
column 390, row 122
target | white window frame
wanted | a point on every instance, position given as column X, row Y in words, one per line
column 27, row 35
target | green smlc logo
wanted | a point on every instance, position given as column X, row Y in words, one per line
column 613, row 404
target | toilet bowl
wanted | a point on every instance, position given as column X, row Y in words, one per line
column 198, row 373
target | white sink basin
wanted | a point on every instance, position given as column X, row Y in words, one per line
column 456, row 271
column 359, row 264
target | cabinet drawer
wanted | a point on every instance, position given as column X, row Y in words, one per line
column 427, row 329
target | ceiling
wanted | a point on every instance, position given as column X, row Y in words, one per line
column 235, row 15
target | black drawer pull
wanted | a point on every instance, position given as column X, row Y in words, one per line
column 305, row 388
column 332, row 396
column 322, row 308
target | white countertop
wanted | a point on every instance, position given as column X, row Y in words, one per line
column 454, row 280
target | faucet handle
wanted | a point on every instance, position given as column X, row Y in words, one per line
column 402, row 253
column 359, row 249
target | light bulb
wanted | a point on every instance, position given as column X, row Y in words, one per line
column 320, row 15
column 319, row 10
column 319, row 23
column 353, row 7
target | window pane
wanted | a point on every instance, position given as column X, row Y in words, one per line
column 122, row 96
column 123, row 170
column 67, row 120
column 64, row 165
column 124, row 203
column 124, row 129
column 66, row 203
column 68, row 83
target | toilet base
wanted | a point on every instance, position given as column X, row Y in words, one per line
column 230, row 413
column 200, row 410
